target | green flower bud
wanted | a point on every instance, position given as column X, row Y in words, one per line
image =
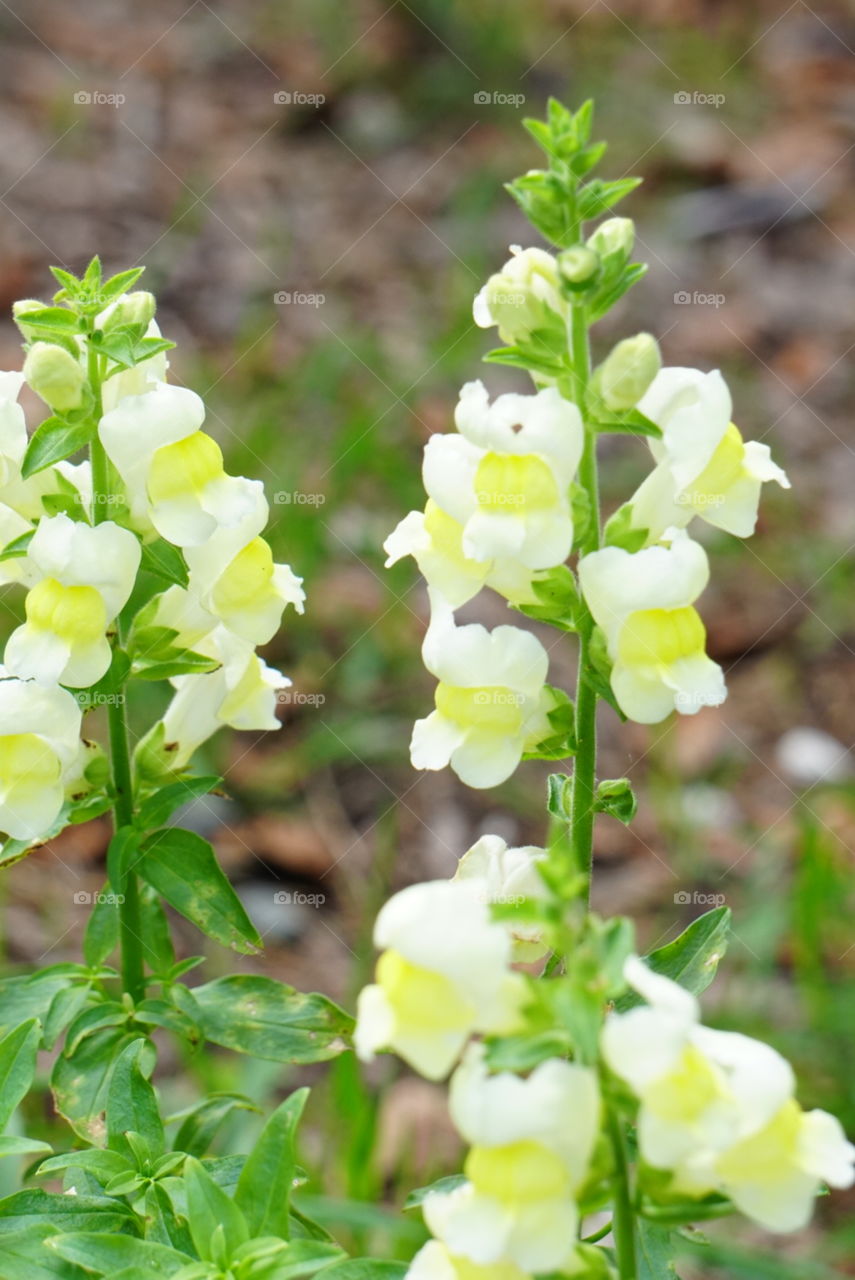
column 579, row 265
column 522, row 297
column 55, row 375
column 134, row 308
column 20, row 311
column 615, row 235
column 628, row 371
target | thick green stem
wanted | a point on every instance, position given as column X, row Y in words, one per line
column 130, row 929
column 623, row 1216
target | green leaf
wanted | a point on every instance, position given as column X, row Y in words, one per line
column 367, row 1269
column 26, row 1258
column 209, row 1208
column 107, row 1254
column 80, row 1080
column 66, row 1005
column 158, row 808
column 54, row 440
column 102, row 1164
column 264, row 1188
column 155, row 656
column 287, row 1261
column 14, row 1146
column 70, row 1213
column 619, row 531
column 524, row 1052
column 102, row 930
column 200, row 1122
column 106, row 1013
column 267, row 1019
column 692, row 959
column 160, row 952
column 18, row 1052
column 616, row 797
column 160, row 1013
column 417, row 1197
column 631, row 423
column 162, row 1223
column 183, row 868
column 29, row 996
column 120, row 284
column 655, row 1250
column 165, row 561
column 18, row 546
column 132, row 1104
column 598, row 196
column 561, row 741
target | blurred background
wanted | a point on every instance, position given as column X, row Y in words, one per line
column 316, row 192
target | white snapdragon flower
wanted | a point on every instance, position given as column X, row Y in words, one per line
column 83, row 576
column 656, row 640
column 39, row 755
column 492, row 702
column 233, row 581
column 172, row 471
column 443, row 976
column 531, row 1145
column 506, row 476
column 717, row 1108
column 508, row 876
column 774, row 1175
column 435, row 1262
column 523, row 297
column 700, row 1090
column 704, row 467
column 241, row 692
column 435, row 541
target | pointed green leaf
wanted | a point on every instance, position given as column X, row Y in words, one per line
column 209, row 1208
column 264, row 1188
column 18, row 1052
column 132, row 1104
column 692, row 959
column 183, row 868
column 108, row 1254
column 54, row 440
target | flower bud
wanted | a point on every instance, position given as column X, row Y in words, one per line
column 578, row 265
column 522, row 297
column 21, row 309
column 133, row 308
column 628, row 371
column 55, row 375
column 615, row 235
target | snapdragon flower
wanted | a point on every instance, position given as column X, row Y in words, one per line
column 443, row 976
column 435, row 1262
column 506, row 477
column 656, row 640
column 531, row 1145
column 508, row 876
column 492, row 702
column 435, row 541
column 523, row 297
column 83, row 576
column 704, row 467
column 172, row 471
column 39, row 755
column 717, row 1108
column 241, row 692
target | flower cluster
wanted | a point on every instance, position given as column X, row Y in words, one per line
column 502, row 513
column 154, row 494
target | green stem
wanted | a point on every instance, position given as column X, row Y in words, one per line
column 623, row 1216
column 130, row 928
column 585, row 768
